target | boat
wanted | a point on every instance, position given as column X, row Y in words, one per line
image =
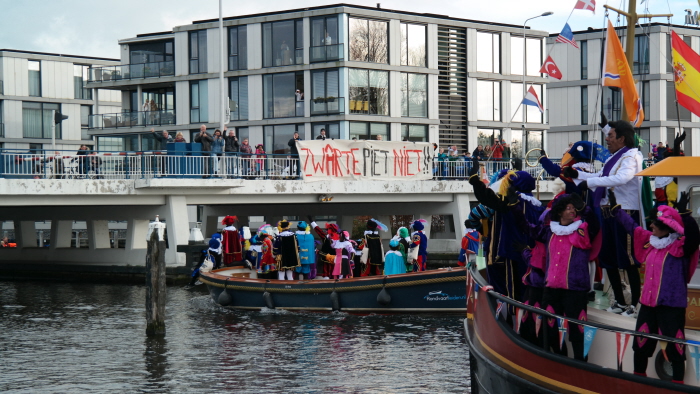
column 435, row 291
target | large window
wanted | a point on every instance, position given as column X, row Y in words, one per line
column 238, row 94
column 199, row 108
column 413, row 49
column 611, row 103
column 37, row 119
column 280, row 96
column 584, row 104
column 532, row 113
column 584, row 59
column 325, row 45
column 80, row 78
column 414, row 95
column 672, row 109
column 488, row 49
column 238, row 48
column 325, row 89
column 641, row 55
column 488, row 100
column 369, row 131
column 34, row 67
column 198, row 52
column 643, row 90
column 533, row 55
column 277, row 137
column 369, row 40
column 332, row 130
column 369, row 92
column 283, row 43
column 414, row 132
column 85, row 112
column 151, row 52
column 486, row 137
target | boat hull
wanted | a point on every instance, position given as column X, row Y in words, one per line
column 441, row 291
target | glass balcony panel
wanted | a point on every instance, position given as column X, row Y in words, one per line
column 326, row 53
column 327, row 105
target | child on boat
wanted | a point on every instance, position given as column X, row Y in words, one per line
column 670, row 252
column 344, row 253
column 393, row 261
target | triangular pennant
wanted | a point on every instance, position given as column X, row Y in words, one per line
column 662, row 345
column 563, row 325
column 622, row 340
column 499, row 307
column 519, row 314
column 538, row 324
column 695, row 354
column 588, row 335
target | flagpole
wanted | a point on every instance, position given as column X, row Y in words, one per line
column 523, row 142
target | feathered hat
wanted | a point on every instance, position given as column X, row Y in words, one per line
column 283, row 225
column 372, row 224
column 584, row 151
column 419, row 224
column 393, row 243
column 302, row 226
column 402, row 232
column 671, row 218
column 229, row 220
column 332, row 227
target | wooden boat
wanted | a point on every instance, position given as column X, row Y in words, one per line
column 441, row 290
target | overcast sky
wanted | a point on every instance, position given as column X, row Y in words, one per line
column 93, row 27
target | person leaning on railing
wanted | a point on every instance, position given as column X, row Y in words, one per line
column 231, row 149
column 205, row 139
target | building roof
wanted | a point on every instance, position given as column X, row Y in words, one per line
column 58, row 54
column 640, row 26
column 674, row 166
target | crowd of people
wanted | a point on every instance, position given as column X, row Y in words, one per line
column 286, row 252
column 550, row 255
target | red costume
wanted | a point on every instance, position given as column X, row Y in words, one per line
column 231, row 241
column 327, row 252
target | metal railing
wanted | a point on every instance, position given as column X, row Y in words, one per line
column 326, row 53
column 131, row 119
column 132, row 71
column 327, row 105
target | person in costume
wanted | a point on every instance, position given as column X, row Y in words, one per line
column 393, row 261
column 231, row 241
column 326, row 253
column 214, row 251
column 373, row 252
column 307, row 251
column 568, row 242
column 253, row 252
column 670, row 253
column 470, row 246
column 286, row 251
column 420, row 241
column 344, row 253
column 404, row 240
column 268, row 263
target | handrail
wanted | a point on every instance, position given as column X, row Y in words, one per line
column 132, row 119
column 131, row 71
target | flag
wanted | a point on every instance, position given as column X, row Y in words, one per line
column 585, row 5
column 567, row 36
column 686, row 70
column 622, row 340
column 563, row 325
column 499, row 308
column 662, row 345
column 531, row 99
column 616, row 72
column 695, row 355
column 519, row 318
column 588, row 335
column 538, row 324
column 550, row 68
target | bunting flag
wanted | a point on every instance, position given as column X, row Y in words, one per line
column 622, row 340
column 499, row 307
column 550, row 68
column 518, row 321
column 538, row 324
column 567, row 36
column 588, row 335
column 617, row 73
column 695, row 355
column 662, row 345
column 686, row 73
column 532, row 99
column 585, row 5
column 563, row 325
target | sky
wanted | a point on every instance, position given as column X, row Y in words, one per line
column 93, row 27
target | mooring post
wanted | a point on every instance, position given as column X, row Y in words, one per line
column 155, row 279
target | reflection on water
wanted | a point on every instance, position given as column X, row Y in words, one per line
column 79, row 337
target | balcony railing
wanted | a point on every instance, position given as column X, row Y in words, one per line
column 326, row 53
column 132, row 71
column 327, row 105
column 132, row 119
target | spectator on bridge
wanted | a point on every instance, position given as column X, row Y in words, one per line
column 217, row 149
column 205, row 139
column 294, row 151
column 180, row 138
column 260, row 158
column 162, row 138
column 83, row 165
column 231, row 149
column 95, row 164
column 246, row 152
column 479, row 153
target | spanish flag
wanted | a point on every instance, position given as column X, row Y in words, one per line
column 686, row 73
column 616, row 72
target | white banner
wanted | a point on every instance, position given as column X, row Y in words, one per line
column 365, row 160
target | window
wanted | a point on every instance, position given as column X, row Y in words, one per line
column 414, row 132
column 325, row 45
column 198, row 52
column 485, row 137
column 643, row 90
column 325, row 89
column 37, row 119
column 369, row 92
column 332, row 130
column 199, row 101
column 279, row 95
column 533, row 55
column 238, row 48
column 641, row 55
column 532, row 113
column 488, row 101
column 584, row 104
column 80, row 78
column 534, row 140
column 369, row 131
column 368, row 40
column 413, row 38
column 242, row 133
column 151, row 52
column 34, row 78
column 611, row 104
column 277, row 137
column 85, row 112
column 584, row 59
column 669, row 57
column 488, row 49
column 238, row 94
column 672, row 109
column 414, row 95
column 283, row 43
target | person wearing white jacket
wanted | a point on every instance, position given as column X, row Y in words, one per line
column 617, row 174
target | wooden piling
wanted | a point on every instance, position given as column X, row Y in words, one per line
column 155, row 280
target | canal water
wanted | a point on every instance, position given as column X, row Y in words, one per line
column 72, row 338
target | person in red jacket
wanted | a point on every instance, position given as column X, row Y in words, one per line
column 231, row 241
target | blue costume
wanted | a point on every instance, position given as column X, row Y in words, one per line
column 307, row 250
column 420, row 241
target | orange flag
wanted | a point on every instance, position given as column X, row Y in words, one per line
column 686, row 70
column 616, row 72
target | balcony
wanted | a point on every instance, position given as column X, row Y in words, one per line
column 327, row 105
column 132, row 71
column 326, row 53
column 132, row 119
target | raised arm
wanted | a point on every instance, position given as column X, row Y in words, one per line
column 483, row 194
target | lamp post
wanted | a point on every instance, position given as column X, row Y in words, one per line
column 523, row 143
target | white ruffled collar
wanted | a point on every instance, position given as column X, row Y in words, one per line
column 558, row 229
column 371, row 232
column 341, row 244
column 531, row 199
column 665, row 242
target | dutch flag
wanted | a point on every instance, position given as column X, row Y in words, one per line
column 531, row 99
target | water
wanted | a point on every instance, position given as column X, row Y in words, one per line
column 60, row 338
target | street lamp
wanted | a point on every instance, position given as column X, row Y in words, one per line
column 523, row 143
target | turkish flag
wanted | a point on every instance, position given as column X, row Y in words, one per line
column 550, row 68
column 585, row 5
